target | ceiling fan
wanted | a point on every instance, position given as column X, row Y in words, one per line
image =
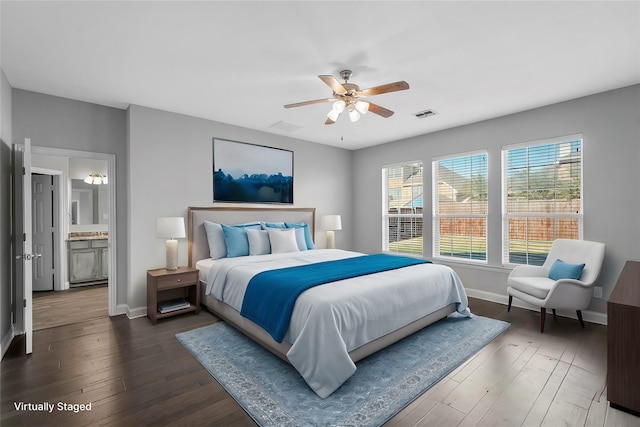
column 348, row 96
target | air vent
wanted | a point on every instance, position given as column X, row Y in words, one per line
column 424, row 114
column 287, row 127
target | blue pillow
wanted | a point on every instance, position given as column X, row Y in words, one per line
column 266, row 225
column 562, row 270
column 236, row 240
column 301, row 241
column 307, row 233
column 253, row 225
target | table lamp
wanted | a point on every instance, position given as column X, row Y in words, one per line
column 171, row 228
column 331, row 223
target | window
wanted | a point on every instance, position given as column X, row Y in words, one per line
column 402, row 208
column 460, row 207
column 542, row 197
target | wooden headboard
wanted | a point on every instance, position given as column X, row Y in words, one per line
column 198, row 245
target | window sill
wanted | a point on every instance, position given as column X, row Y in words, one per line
column 478, row 265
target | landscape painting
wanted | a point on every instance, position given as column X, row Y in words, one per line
column 249, row 173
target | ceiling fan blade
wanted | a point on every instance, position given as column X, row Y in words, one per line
column 381, row 111
column 334, row 84
column 315, row 101
column 329, row 121
column 389, row 87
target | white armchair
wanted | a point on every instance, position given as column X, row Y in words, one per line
column 533, row 285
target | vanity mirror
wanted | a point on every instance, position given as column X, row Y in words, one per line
column 89, row 203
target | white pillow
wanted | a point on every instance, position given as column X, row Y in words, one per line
column 282, row 240
column 215, row 238
column 258, row 242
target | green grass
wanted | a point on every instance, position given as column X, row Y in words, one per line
column 462, row 245
column 535, row 246
column 407, row 246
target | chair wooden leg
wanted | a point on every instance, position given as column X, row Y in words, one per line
column 580, row 318
column 554, row 315
column 543, row 314
column 510, row 300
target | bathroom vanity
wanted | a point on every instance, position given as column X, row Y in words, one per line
column 88, row 259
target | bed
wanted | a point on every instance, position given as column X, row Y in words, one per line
column 332, row 325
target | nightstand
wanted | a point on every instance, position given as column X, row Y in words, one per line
column 164, row 285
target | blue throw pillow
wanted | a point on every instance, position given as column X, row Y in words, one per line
column 266, row 225
column 307, row 233
column 236, row 240
column 301, row 240
column 562, row 270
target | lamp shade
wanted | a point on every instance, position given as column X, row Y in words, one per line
column 331, row 222
column 170, row 227
column 362, row 107
column 338, row 106
column 333, row 115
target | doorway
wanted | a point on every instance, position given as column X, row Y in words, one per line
column 99, row 231
column 22, row 250
column 69, row 285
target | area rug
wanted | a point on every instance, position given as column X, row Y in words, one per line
column 274, row 394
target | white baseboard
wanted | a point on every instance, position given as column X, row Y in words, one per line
column 587, row 315
column 136, row 312
column 6, row 341
column 122, row 309
column 129, row 312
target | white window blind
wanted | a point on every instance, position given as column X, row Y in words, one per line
column 542, row 197
column 460, row 207
column 402, row 208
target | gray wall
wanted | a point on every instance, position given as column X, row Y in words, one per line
column 170, row 169
column 5, row 213
column 609, row 123
column 56, row 122
column 163, row 163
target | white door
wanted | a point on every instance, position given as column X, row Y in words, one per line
column 24, row 247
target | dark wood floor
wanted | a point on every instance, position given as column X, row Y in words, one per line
column 57, row 308
column 136, row 374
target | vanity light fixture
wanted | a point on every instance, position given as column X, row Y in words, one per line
column 96, row 178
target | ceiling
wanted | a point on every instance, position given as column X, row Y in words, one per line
column 239, row 62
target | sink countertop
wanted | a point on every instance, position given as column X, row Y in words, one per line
column 86, row 236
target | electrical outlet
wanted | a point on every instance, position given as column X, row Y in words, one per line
column 597, row 292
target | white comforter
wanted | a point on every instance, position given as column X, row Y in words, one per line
column 330, row 320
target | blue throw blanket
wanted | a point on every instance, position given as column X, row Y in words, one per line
column 271, row 295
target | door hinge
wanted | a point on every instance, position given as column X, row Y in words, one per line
column 24, row 171
column 24, row 237
column 24, row 303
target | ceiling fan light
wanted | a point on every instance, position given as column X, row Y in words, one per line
column 333, row 114
column 354, row 116
column 362, row 107
column 338, row 106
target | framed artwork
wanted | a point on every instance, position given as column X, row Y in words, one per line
column 249, row 173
